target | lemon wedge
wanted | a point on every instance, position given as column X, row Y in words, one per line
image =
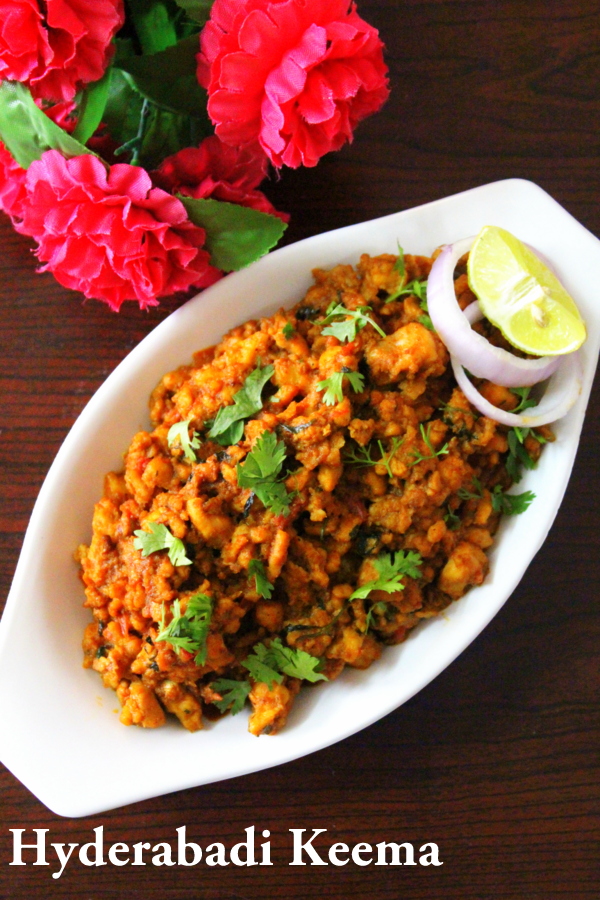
column 519, row 294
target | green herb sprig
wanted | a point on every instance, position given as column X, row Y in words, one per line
column 333, row 385
column 420, row 457
column 391, row 569
column 263, row 586
column 160, row 538
column 354, row 320
column 260, row 472
column 179, row 433
column 189, row 630
column 228, row 425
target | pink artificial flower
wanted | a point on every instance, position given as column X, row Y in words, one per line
column 294, row 75
column 216, row 170
column 12, row 186
column 57, row 46
column 111, row 234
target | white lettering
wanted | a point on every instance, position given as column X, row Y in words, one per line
column 266, row 850
column 138, row 853
column 40, row 846
column 164, row 858
column 182, row 847
column 333, row 854
column 63, row 857
column 356, row 854
column 115, row 849
column 97, row 846
column 432, row 858
column 218, row 858
column 409, row 854
column 248, row 846
column 299, row 847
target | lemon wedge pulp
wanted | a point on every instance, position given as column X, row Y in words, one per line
column 519, row 294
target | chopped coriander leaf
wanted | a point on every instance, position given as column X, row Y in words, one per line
column 362, row 456
column 518, row 456
column 270, row 664
column 333, row 386
column 416, row 288
column 475, row 494
column 189, row 630
column 234, row 694
column 228, row 426
column 377, row 609
column 179, row 433
column 511, row 504
column 263, row 585
column 288, row 330
column 399, row 265
column 420, row 457
column 452, row 520
column 354, row 321
column 260, row 664
column 160, row 538
column 260, row 472
column 391, row 569
column 525, row 401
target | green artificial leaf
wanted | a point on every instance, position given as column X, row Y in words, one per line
column 235, row 235
column 354, row 320
column 154, row 26
column 234, row 694
column 511, row 504
column 263, row 586
column 160, row 538
column 333, row 386
column 228, row 425
column 91, row 107
column 179, row 434
column 198, row 10
column 391, row 569
column 260, row 471
column 179, row 92
column 26, row 131
column 189, row 630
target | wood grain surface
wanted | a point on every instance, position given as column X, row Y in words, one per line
column 497, row 760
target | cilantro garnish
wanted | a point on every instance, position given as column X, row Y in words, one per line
column 377, row 608
column 416, row 288
column 391, row 569
column 189, row 630
column 362, row 456
column 270, row 664
column 518, row 456
column 525, row 401
column 399, row 265
column 179, row 432
column 333, row 385
column 160, row 538
column 420, row 457
column 234, row 694
column 263, row 585
column 354, row 320
column 260, row 471
column 476, row 494
column 288, row 330
column 228, row 426
column 511, row 504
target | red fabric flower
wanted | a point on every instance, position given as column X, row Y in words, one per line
column 295, row 75
column 57, row 46
column 215, row 170
column 12, row 186
column 111, row 235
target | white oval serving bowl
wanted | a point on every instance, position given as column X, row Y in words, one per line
column 60, row 726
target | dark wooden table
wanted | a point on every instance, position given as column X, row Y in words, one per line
column 497, row 761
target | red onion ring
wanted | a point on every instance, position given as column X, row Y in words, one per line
column 476, row 353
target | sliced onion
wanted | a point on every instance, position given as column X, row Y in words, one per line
column 561, row 393
column 474, row 351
